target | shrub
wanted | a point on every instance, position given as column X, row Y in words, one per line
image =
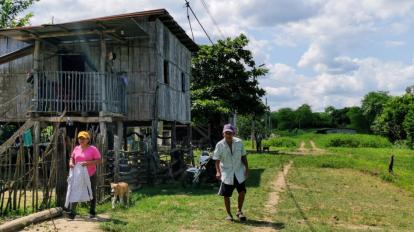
column 280, row 142
column 356, row 140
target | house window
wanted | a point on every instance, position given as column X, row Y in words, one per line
column 183, row 82
column 166, row 72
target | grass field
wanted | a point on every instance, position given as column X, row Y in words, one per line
column 341, row 189
column 172, row 208
column 348, row 190
column 326, row 199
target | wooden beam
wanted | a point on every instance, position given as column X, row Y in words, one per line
column 21, row 223
column 118, row 139
column 63, row 34
column 29, row 123
column 116, row 158
column 102, row 69
column 61, row 169
column 173, row 135
column 117, row 38
column 56, row 25
column 36, row 160
column 138, row 25
column 17, row 54
column 35, row 67
column 75, row 119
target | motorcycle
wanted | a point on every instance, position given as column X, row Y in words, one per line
column 204, row 173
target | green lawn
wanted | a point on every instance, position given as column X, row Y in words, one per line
column 372, row 161
column 326, row 199
column 343, row 189
column 172, row 208
column 350, row 190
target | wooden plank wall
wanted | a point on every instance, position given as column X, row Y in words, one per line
column 141, row 59
column 15, row 93
column 174, row 104
column 134, row 60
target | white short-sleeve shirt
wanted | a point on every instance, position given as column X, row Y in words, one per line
column 230, row 160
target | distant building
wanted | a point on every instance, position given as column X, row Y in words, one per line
column 410, row 89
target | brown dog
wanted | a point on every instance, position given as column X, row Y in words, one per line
column 120, row 190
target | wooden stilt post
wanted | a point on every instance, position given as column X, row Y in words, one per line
column 36, row 153
column 103, row 149
column 61, row 167
column 118, row 138
column 120, row 133
column 102, row 69
column 154, row 137
column 189, row 142
column 36, row 65
column 36, row 127
column 173, row 135
column 116, row 160
column 124, row 135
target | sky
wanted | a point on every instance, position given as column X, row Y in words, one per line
column 319, row 52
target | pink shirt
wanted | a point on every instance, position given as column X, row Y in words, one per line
column 90, row 153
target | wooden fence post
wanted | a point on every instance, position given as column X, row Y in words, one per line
column 116, row 160
column 61, row 168
column 173, row 135
column 35, row 195
column 391, row 165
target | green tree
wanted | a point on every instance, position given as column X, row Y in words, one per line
column 408, row 125
column 321, row 119
column 225, row 81
column 357, row 119
column 373, row 104
column 284, row 119
column 339, row 117
column 10, row 11
column 304, row 117
column 244, row 124
column 394, row 121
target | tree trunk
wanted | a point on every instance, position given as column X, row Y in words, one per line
column 253, row 134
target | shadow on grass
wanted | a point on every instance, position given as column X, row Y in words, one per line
column 260, row 223
column 114, row 225
column 298, row 207
column 254, row 177
column 202, row 189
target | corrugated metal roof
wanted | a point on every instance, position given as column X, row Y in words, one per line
column 121, row 26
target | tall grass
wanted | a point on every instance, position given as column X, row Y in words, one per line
column 353, row 140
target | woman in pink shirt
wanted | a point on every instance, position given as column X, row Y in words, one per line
column 89, row 156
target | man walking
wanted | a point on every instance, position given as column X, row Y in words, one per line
column 232, row 169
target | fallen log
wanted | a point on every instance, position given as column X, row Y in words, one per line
column 38, row 217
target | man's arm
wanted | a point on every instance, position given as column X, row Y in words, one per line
column 246, row 164
column 218, row 171
column 216, row 158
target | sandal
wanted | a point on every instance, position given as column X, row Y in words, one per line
column 241, row 216
column 229, row 218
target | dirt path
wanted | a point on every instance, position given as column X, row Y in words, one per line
column 63, row 224
column 302, row 148
column 278, row 186
column 315, row 148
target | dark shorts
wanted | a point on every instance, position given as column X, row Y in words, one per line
column 227, row 190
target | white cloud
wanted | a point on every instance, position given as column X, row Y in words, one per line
column 394, row 43
column 340, row 90
column 337, row 30
column 325, row 35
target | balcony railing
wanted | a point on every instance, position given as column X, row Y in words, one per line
column 81, row 92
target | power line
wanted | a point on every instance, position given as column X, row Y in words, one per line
column 187, row 4
column 195, row 16
column 212, row 18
